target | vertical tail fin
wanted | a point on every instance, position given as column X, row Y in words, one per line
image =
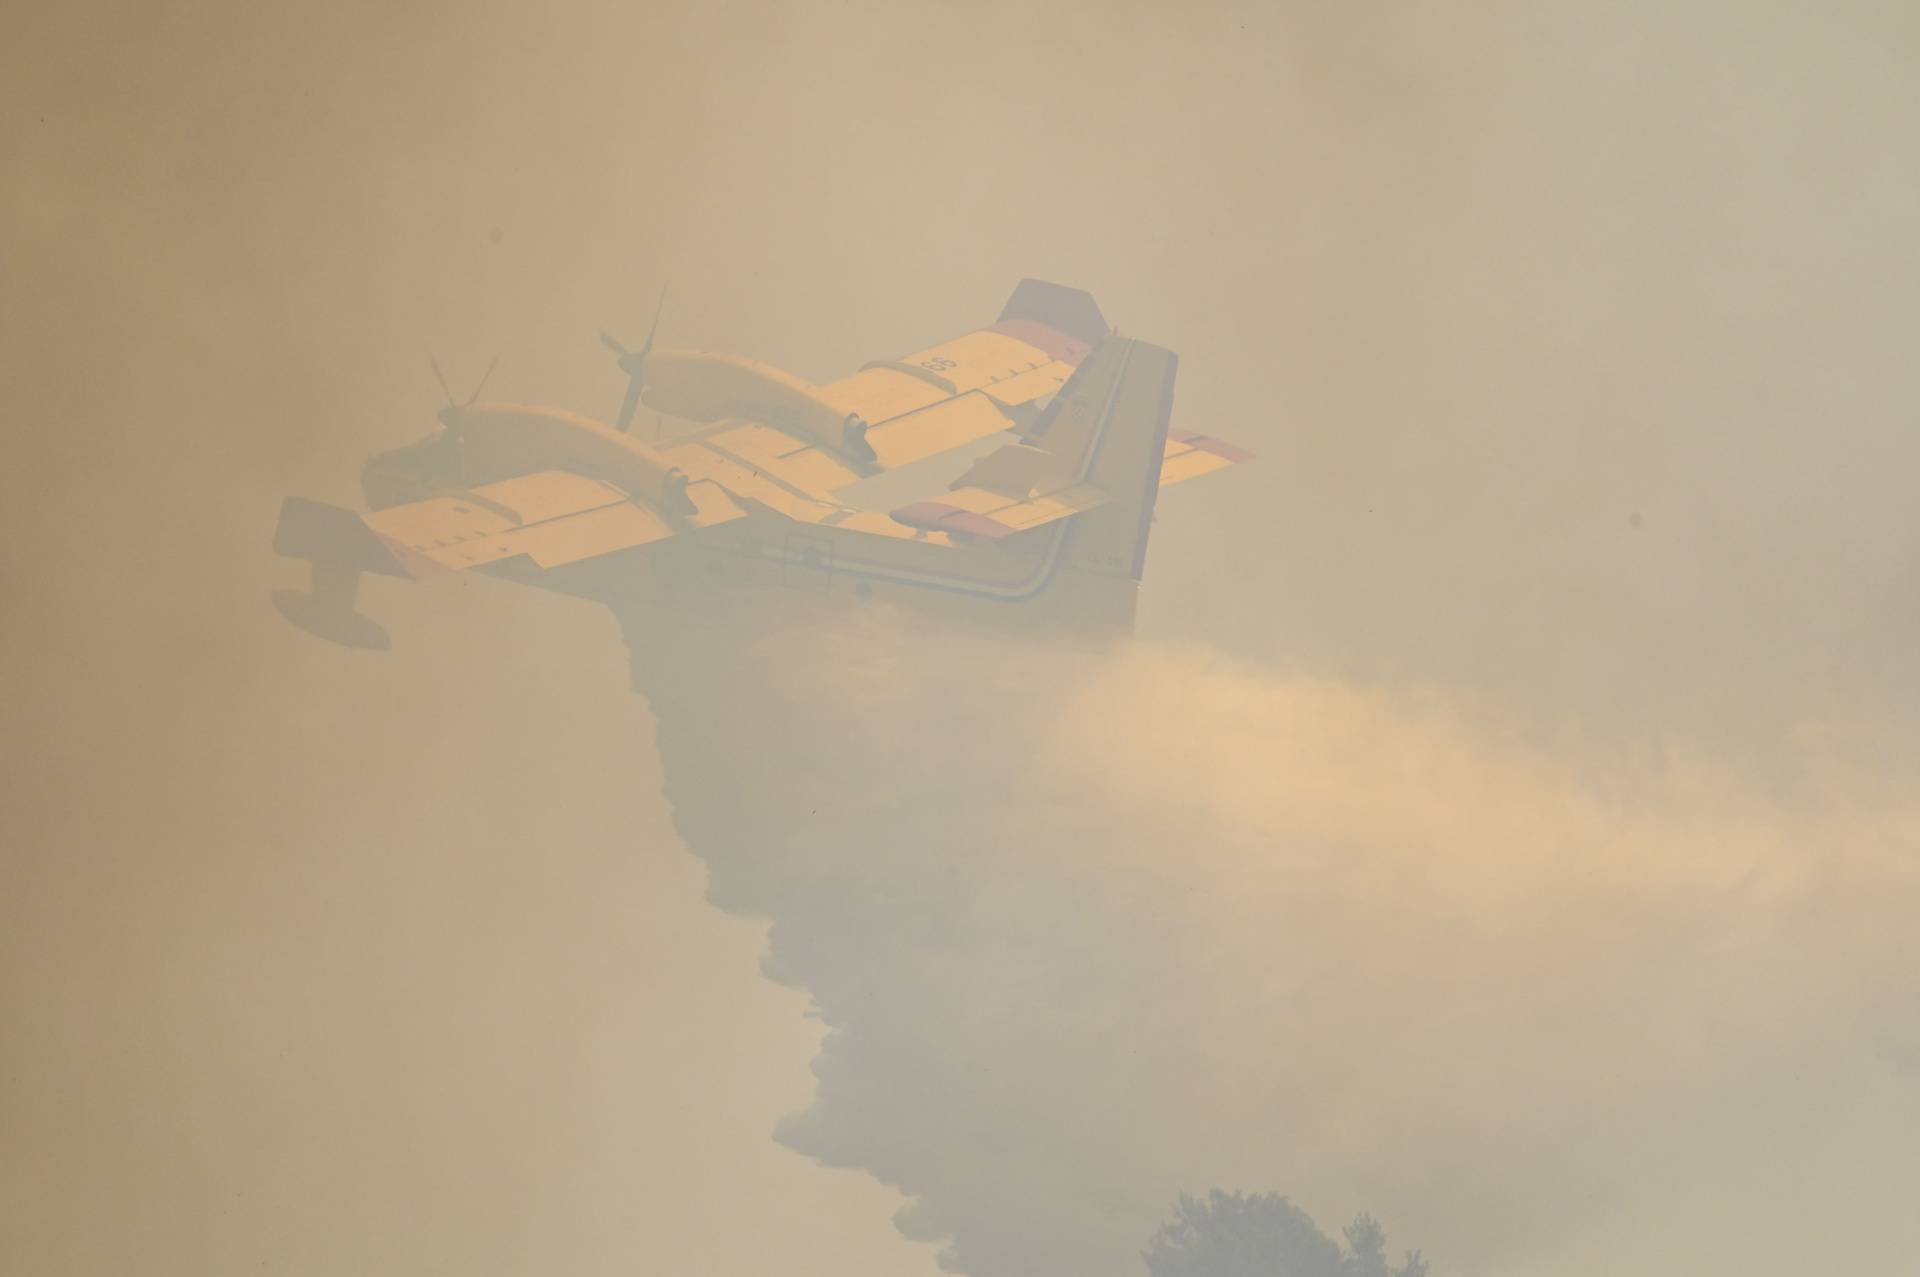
column 1111, row 420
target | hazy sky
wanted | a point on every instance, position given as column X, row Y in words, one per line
column 1577, row 343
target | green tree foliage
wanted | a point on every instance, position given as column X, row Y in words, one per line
column 1237, row 1235
column 1367, row 1252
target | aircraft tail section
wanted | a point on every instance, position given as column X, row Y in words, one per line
column 1111, row 419
column 1071, row 311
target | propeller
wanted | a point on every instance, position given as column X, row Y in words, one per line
column 450, row 415
column 634, row 364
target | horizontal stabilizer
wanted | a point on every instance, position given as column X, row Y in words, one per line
column 1189, row 456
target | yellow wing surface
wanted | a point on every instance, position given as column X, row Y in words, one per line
column 892, row 412
column 504, row 482
column 792, row 446
column 554, row 517
column 524, row 488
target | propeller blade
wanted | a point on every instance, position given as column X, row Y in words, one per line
column 434, row 361
column 658, row 307
column 491, row 365
column 634, row 364
column 628, row 404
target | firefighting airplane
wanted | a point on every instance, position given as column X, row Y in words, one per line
column 1049, row 527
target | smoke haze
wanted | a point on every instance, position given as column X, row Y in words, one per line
column 1503, row 826
column 1186, row 922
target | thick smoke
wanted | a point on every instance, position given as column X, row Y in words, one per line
column 1090, row 928
column 1577, row 345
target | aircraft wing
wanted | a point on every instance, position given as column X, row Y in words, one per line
column 986, row 381
column 791, row 444
column 1010, row 490
column 893, row 412
column 985, row 513
column 544, row 519
column 551, row 517
column 1051, row 474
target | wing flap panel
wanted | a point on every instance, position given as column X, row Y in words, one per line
column 582, row 536
column 546, row 494
column 577, row 518
column 1057, row 505
column 947, row 424
column 879, row 393
column 979, row 358
column 794, row 462
column 1034, row 383
column 978, row 512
